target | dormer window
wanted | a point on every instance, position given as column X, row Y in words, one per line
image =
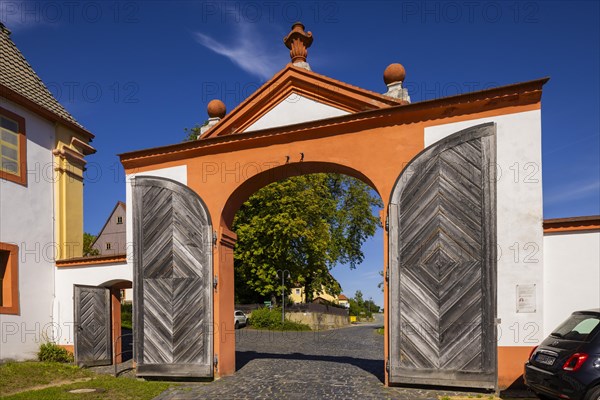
column 119, row 220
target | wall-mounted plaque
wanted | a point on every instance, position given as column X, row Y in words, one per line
column 526, row 298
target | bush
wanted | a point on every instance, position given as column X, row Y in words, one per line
column 50, row 352
column 126, row 316
column 263, row 318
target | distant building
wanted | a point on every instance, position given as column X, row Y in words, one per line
column 112, row 238
column 298, row 296
column 343, row 301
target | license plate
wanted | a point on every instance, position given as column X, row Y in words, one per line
column 545, row 359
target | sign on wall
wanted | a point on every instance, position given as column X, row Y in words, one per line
column 526, row 298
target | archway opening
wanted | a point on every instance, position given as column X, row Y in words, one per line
column 121, row 297
column 308, row 269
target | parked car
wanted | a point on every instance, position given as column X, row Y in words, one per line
column 240, row 319
column 567, row 363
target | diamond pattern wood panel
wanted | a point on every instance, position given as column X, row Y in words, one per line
column 93, row 342
column 173, row 276
column 442, row 264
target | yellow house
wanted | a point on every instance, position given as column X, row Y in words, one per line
column 298, row 295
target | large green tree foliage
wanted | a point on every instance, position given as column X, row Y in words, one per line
column 305, row 224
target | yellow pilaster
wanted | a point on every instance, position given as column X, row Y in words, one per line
column 69, row 167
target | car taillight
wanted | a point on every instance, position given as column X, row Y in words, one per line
column 575, row 362
column 532, row 351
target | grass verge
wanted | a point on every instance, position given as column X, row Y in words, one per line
column 380, row 331
column 25, row 377
column 18, row 376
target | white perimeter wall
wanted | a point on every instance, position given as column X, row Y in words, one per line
column 26, row 219
column 571, row 275
column 66, row 278
column 519, row 220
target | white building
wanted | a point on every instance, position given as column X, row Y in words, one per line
column 41, row 202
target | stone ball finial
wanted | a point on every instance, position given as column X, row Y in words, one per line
column 394, row 73
column 216, row 109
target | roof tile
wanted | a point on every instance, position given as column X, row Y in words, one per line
column 17, row 75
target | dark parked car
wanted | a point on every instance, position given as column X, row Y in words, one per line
column 567, row 364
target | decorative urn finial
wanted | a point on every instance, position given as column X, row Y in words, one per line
column 298, row 41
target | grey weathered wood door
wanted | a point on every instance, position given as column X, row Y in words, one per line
column 93, row 335
column 172, row 280
column 442, row 264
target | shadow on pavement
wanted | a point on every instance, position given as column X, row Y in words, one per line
column 374, row 367
column 127, row 344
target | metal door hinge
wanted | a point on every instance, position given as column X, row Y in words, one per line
column 214, row 238
column 387, row 275
column 216, row 360
column 215, row 282
column 387, row 223
column 387, row 365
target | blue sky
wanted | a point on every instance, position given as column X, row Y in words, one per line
column 137, row 73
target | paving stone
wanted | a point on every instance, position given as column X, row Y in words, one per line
column 343, row 363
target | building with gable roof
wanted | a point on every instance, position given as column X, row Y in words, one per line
column 43, row 150
column 112, row 239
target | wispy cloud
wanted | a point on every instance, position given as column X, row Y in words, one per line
column 247, row 50
column 370, row 275
column 574, row 192
column 21, row 15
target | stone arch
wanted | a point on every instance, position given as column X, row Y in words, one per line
column 264, row 178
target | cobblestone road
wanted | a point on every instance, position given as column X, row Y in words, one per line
column 339, row 364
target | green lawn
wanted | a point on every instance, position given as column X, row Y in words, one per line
column 18, row 377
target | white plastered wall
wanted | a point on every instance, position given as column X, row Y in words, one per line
column 519, row 220
column 571, row 275
column 293, row 110
column 66, row 278
column 26, row 219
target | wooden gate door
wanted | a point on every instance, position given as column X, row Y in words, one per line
column 442, row 271
column 93, row 338
column 172, row 280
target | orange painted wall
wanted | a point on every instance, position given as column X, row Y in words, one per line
column 226, row 172
column 511, row 361
column 69, row 347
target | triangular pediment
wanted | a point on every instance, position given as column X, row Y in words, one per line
column 295, row 109
column 295, row 95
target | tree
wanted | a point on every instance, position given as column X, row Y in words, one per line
column 193, row 133
column 361, row 307
column 358, row 297
column 88, row 240
column 304, row 224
